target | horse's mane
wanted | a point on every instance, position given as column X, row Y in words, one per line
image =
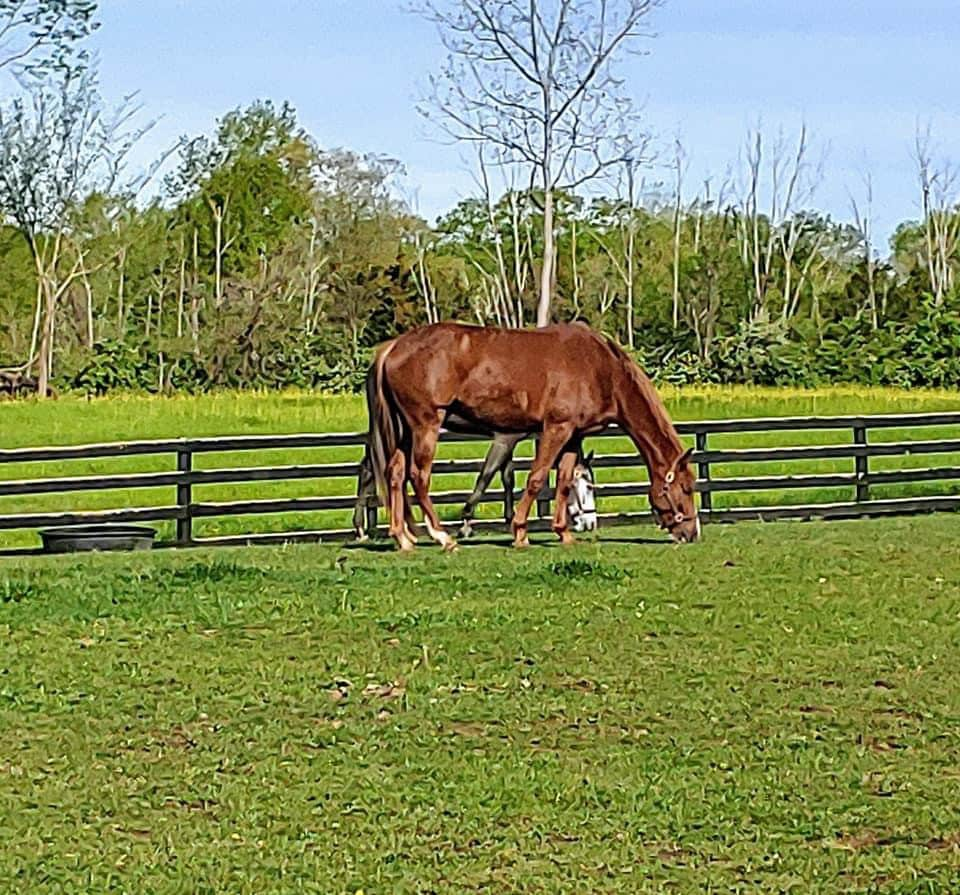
column 634, row 372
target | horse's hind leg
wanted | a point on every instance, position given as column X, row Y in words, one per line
column 396, row 477
column 551, row 443
column 366, row 496
column 409, row 522
column 424, row 447
column 499, row 455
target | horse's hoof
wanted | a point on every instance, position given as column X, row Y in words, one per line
column 522, row 544
column 406, row 545
column 451, row 546
column 567, row 540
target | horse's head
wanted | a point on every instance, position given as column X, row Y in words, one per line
column 672, row 499
column 581, row 505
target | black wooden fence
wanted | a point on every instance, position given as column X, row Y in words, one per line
column 183, row 477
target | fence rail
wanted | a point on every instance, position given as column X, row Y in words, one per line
column 183, row 477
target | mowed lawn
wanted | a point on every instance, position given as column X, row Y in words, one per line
column 76, row 421
column 774, row 709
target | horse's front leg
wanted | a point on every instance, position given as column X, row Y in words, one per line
column 499, row 455
column 561, row 524
column 552, row 442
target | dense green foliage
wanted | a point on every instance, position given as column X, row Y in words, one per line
column 771, row 710
column 270, row 261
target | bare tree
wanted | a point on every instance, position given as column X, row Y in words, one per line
column 863, row 224
column 621, row 252
column 679, row 166
column 505, row 286
column 35, row 35
column 421, row 273
column 789, row 181
column 940, row 197
column 57, row 145
column 535, row 79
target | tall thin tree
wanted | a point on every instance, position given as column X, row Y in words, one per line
column 536, row 80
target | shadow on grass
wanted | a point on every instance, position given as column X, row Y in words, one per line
column 384, row 545
column 505, row 541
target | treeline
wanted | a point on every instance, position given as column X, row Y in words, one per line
column 269, row 261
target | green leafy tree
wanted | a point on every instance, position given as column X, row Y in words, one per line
column 244, row 191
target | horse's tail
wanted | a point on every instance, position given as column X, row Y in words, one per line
column 385, row 422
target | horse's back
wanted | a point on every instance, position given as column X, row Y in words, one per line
column 465, row 341
column 510, row 378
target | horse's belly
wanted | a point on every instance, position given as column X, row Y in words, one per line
column 500, row 406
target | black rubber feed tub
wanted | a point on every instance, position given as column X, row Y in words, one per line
column 97, row 537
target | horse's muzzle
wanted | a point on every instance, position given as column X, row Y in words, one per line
column 686, row 532
column 585, row 522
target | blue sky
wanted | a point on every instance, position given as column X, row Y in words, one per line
column 860, row 73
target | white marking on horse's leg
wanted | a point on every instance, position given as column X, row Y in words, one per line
column 440, row 536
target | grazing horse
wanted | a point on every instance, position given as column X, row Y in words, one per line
column 563, row 381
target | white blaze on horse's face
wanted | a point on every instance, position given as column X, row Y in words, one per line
column 581, row 505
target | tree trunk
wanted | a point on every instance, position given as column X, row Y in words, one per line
column 546, row 274
column 631, row 239
column 121, row 289
column 35, row 331
column 45, row 368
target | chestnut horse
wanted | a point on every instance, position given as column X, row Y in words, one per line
column 563, row 381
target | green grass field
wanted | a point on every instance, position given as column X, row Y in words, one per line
column 774, row 709
column 76, row 421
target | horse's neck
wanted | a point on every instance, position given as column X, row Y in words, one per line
column 645, row 420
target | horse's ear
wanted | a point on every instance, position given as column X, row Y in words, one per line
column 588, row 460
column 684, row 459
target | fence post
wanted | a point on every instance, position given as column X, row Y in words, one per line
column 862, row 465
column 703, row 473
column 184, row 496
